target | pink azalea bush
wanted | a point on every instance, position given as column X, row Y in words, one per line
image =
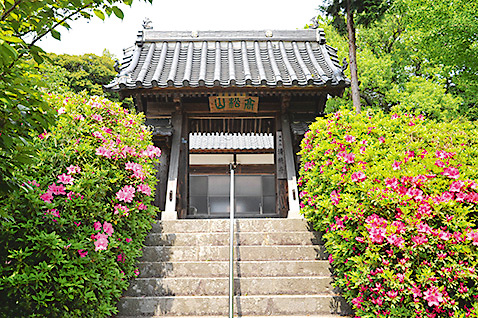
column 82, row 214
column 395, row 196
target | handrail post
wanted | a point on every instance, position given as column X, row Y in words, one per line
column 231, row 244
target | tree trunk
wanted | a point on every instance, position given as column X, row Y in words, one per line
column 353, row 58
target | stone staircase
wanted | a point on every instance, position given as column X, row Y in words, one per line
column 281, row 270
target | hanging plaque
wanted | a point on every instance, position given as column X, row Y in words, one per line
column 233, row 103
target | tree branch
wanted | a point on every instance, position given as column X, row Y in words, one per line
column 42, row 35
column 59, row 23
column 10, row 10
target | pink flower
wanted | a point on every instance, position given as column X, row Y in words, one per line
column 400, row 277
column 358, row 176
column 445, row 235
column 61, row 110
column 473, row 236
column 451, row 172
column 460, row 197
column 456, row 186
column 360, row 239
column 97, row 226
column 107, row 130
column 97, row 117
column 136, row 272
column 443, row 154
column 73, row 169
column 144, row 188
column 391, row 183
column 396, row 240
column 72, row 195
column 103, row 151
column 133, row 166
column 65, row 178
column 433, row 296
column 47, row 196
column 357, row 302
column 392, row 293
column 101, row 242
column 396, row 165
column 152, row 152
column 79, row 117
column 98, row 135
column 126, row 194
column 120, row 258
column 121, row 209
column 108, row 228
column 420, row 239
column 82, row 253
column 142, row 207
column 54, row 212
column 349, row 158
column 43, row 135
column 377, row 234
column 308, row 165
column 77, row 223
column 416, row 291
column 381, row 139
column 139, row 174
column 350, row 138
column 57, row 189
column 128, row 240
column 335, row 197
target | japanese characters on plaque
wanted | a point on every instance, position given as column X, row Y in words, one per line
column 233, row 103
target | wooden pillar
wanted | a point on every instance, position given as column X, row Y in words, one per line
column 183, row 177
column 294, row 207
column 170, row 212
column 281, row 174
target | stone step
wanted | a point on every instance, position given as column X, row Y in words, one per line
column 240, row 238
column 243, row 305
column 221, row 253
column 220, row 286
column 222, row 225
column 241, row 269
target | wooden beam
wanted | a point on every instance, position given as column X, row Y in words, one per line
column 170, row 212
column 294, row 207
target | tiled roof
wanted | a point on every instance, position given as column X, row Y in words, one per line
column 297, row 58
column 202, row 141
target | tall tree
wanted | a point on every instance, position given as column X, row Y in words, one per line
column 343, row 12
column 22, row 112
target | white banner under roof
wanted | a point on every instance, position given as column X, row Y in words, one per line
column 230, row 141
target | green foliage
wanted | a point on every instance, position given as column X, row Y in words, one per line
column 366, row 11
column 396, row 198
column 82, row 215
column 22, row 111
column 77, row 73
column 394, row 73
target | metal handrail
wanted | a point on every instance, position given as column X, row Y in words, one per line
column 231, row 244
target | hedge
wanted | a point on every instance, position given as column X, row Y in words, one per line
column 395, row 196
column 79, row 221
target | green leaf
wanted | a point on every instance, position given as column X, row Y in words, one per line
column 117, row 11
column 56, row 34
column 10, row 38
column 99, row 14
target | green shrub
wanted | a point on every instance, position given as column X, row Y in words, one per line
column 79, row 222
column 395, row 196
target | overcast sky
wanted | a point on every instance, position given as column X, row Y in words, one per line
column 170, row 15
